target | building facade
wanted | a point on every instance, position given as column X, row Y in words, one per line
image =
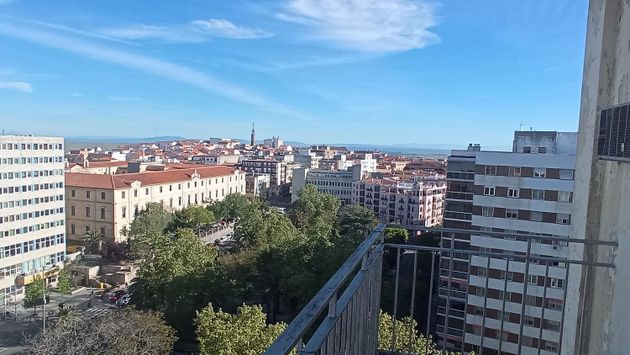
column 419, row 203
column 334, row 182
column 524, row 192
column 276, row 169
column 32, row 218
column 107, row 204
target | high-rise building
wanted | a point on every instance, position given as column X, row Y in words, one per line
column 32, row 218
column 528, row 191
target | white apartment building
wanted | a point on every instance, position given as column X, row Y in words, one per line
column 107, row 204
column 407, row 203
column 278, row 170
column 525, row 192
column 32, row 218
column 334, row 182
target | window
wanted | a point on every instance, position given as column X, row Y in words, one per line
column 565, row 196
column 555, row 305
column 563, row 218
column 160, row 189
column 73, row 193
column 146, row 191
column 73, row 229
column 102, row 213
column 123, row 194
column 87, row 229
column 72, row 210
column 124, row 212
column 533, row 279
column 557, row 283
column 566, row 174
column 102, row 195
column 87, row 194
column 531, row 300
column 511, row 214
column 487, row 211
column 552, row 325
column 507, row 275
column 540, row 173
column 536, row 216
column 479, row 311
column 529, row 320
column 102, row 231
column 480, row 291
column 542, row 150
column 491, row 170
column 87, row 212
column 135, row 193
column 488, row 190
column 528, row 341
column 527, row 149
column 538, row 194
column 513, row 193
column 551, row 346
column 482, row 271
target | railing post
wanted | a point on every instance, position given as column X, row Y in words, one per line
column 332, row 306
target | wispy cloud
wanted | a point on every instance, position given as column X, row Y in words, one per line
column 194, row 31
column 157, row 67
column 2, row 2
column 366, row 25
column 16, row 85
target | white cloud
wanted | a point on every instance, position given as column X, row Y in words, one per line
column 16, row 85
column 195, row 31
column 367, row 25
column 157, row 67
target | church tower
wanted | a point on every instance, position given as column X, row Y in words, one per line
column 253, row 136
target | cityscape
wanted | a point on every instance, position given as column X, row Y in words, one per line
column 231, row 236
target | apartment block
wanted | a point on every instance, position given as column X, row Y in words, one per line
column 107, row 204
column 334, row 182
column 408, row 203
column 32, row 218
column 276, row 169
column 517, row 196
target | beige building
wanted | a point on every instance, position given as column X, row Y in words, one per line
column 98, row 167
column 108, row 203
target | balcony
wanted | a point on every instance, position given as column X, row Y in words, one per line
column 342, row 318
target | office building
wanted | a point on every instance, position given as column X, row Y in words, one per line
column 334, row 182
column 32, row 218
column 276, row 169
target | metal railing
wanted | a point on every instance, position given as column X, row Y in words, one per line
column 348, row 324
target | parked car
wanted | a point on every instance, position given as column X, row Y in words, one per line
column 123, row 300
column 116, row 295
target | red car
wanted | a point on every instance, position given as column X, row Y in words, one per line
column 116, row 295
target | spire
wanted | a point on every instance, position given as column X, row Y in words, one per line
column 253, row 136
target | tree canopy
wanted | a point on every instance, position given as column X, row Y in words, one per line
column 244, row 333
column 193, row 217
column 314, row 213
column 146, row 232
column 406, row 335
column 233, row 206
column 125, row 332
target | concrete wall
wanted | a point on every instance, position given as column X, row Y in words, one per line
column 597, row 314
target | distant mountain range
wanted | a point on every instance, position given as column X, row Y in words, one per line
column 108, row 142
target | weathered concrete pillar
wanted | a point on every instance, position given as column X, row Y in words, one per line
column 598, row 305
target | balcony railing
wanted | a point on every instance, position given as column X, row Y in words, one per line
column 343, row 316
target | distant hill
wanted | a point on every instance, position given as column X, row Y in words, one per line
column 108, row 142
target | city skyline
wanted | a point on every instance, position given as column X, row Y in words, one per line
column 304, row 70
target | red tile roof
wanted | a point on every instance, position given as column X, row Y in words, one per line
column 173, row 175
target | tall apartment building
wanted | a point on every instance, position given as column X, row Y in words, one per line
column 107, row 204
column 528, row 191
column 32, row 231
column 334, row 182
column 415, row 203
column 276, row 169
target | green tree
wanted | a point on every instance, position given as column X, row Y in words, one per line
column 64, row 282
column 146, row 232
column 314, row 213
column 406, row 335
column 34, row 294
column 232, row 207
column 93, row 242
column 396, row 235
column 245, row 333
column 179, row 279
column 356, row 221
column 125, row 332
column 193, row 217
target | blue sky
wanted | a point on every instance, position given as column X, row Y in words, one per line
column 435, row 73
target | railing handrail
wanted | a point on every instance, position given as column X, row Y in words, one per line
column 305, row 319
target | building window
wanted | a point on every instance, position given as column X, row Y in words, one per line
column 73, row 229
column 135, row 193
column 146, row 191
column 552, row 325
column 72, row 210
column 557, row 283
column 102, row 195
column 551, row 346
column 529, row 321
column 487, row 211
column 87, row 212
column 538, row 194
column 535, row 216
column 540, row 173
column 513, row 193
column 123, row 194
column 542, row 150
column 507, row 275
column 87, row 194
column 102, row 213
column 124, row 212
column 491, row 170
column 566, row 174
column 563, row 218
column 527, row 149
column 87, row 229
column 102, row 231
column 480, row 291
column 160, row 189
column 482, row 271
column 511, row 214
column 531, row 300
column 555, row 305
column 180, row 201
column 565, row 196
column 533, row 279
column 488, row 190
column 73, row 193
